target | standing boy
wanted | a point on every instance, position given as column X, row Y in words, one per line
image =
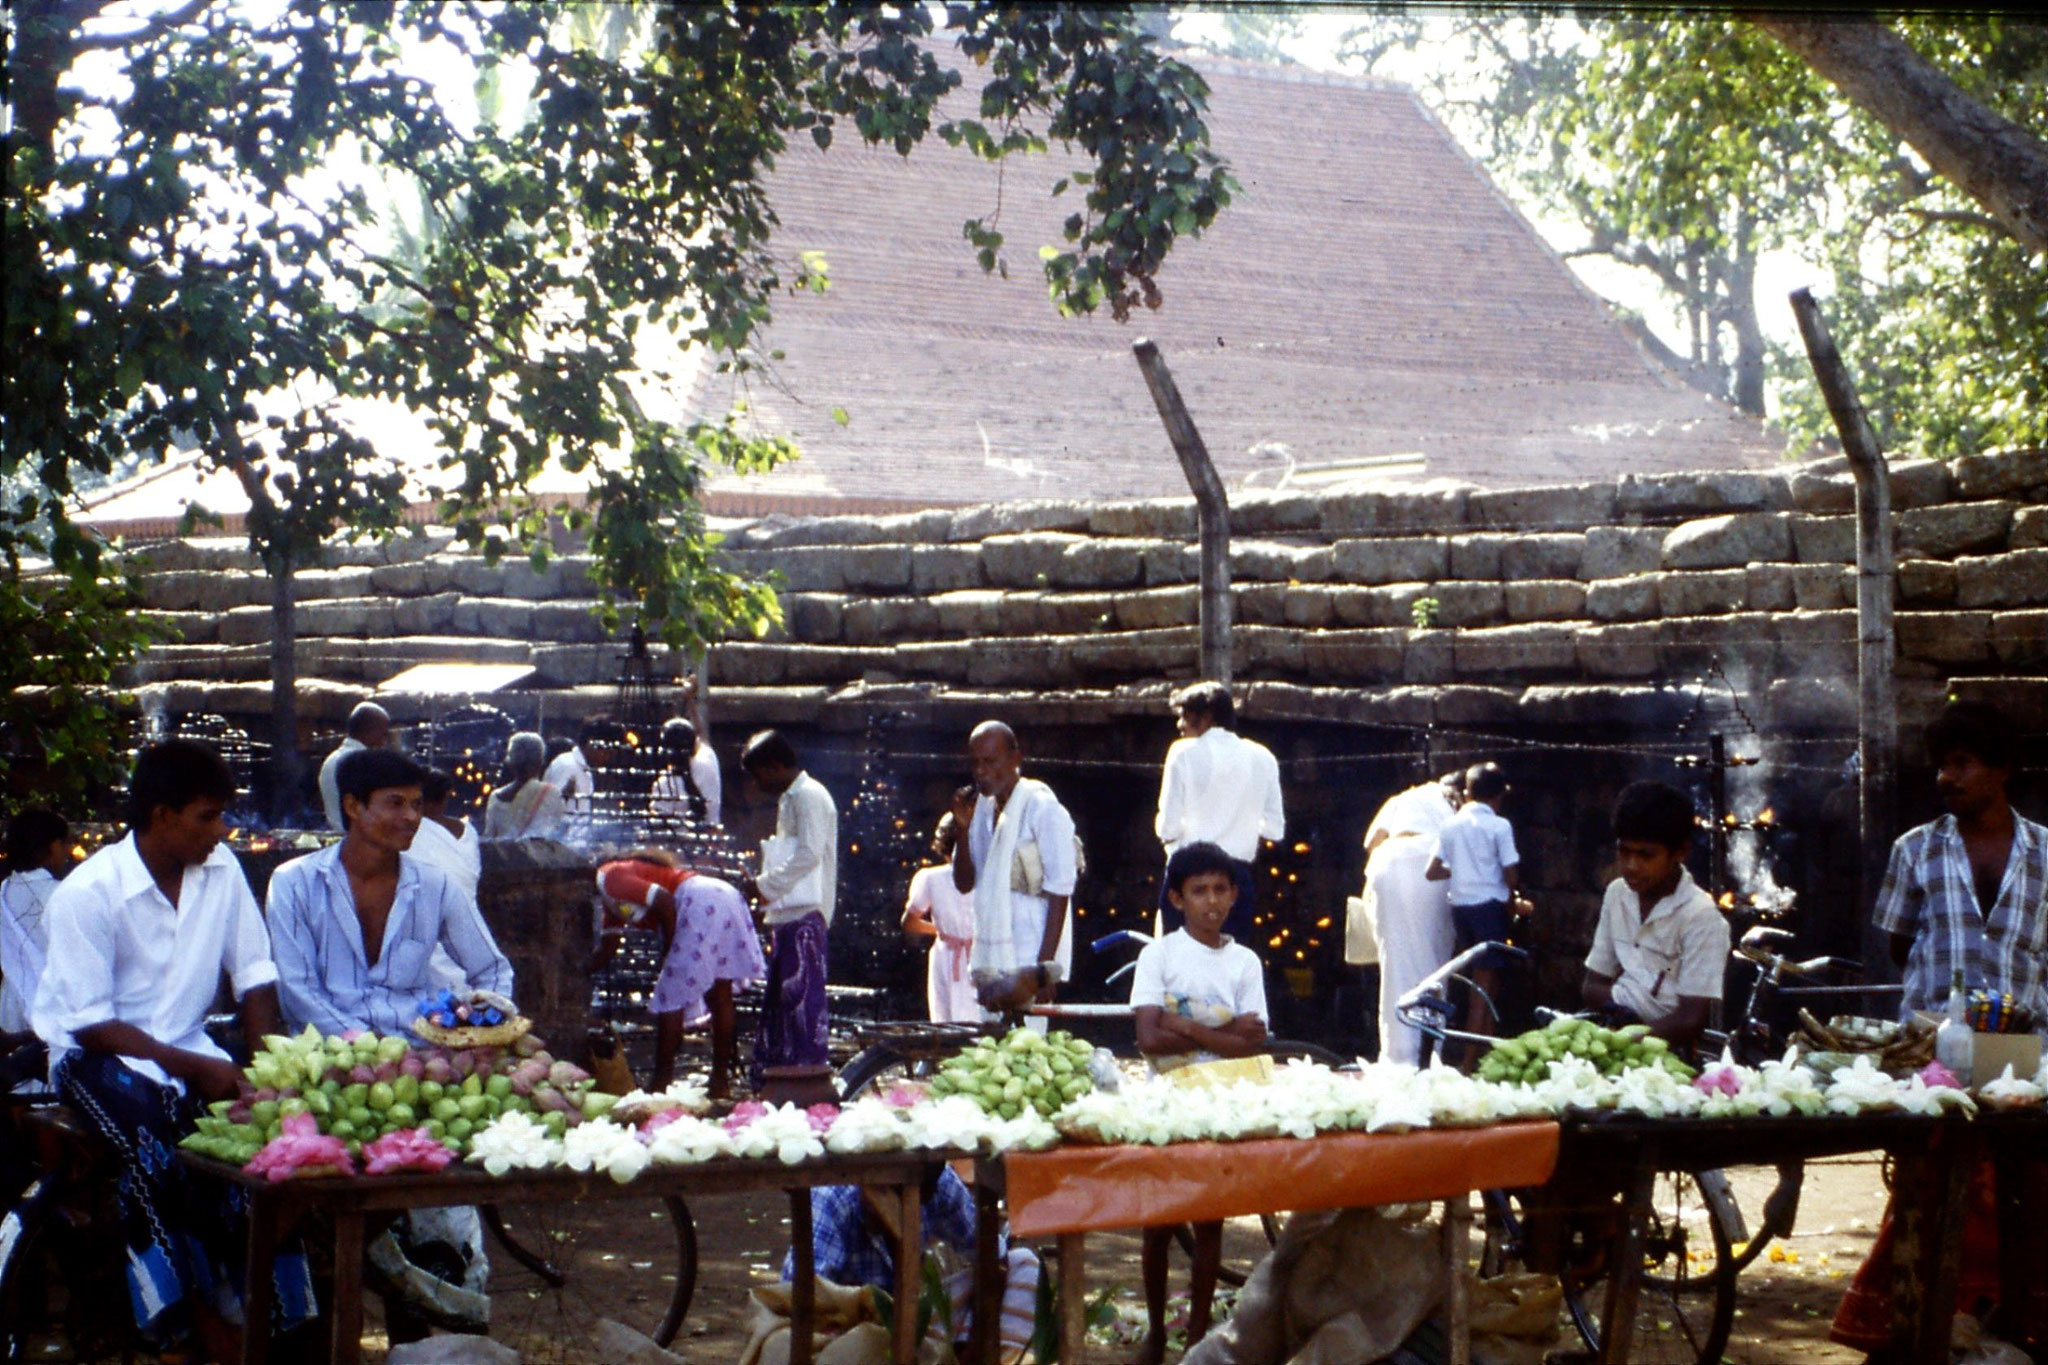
column 139, row 937
column 1475, row 853
column 1660, row 952
column 1199, row 995
column 797, row 887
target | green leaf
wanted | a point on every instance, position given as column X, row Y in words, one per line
column 840, row 416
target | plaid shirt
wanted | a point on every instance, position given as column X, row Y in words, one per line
column 847, row 1250
column 1929, row 894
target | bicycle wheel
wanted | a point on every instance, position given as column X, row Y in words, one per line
column 633, row 1261
column 875, row 1067
column 1685, row 1301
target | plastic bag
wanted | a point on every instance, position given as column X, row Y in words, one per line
column 453, row 1350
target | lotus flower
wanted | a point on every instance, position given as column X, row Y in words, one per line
column 405, row 1149
column 301, row 1150
column 514, row 1141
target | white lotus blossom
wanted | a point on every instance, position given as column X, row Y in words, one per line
column 601, row 1145
column 952, row 1122
column 867, row 1125
column 514, row 1142
column 686, row 1141
column 783, row 1132
column 2010, row 1091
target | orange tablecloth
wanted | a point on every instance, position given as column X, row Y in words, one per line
column 1084, row 1189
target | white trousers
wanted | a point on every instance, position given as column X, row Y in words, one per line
column 1411, row 917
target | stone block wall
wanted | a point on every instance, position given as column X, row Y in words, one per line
column 1584, row 635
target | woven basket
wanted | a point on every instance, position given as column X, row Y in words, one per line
column 511, row 1031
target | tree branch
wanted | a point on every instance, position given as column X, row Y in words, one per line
column 1994, row 160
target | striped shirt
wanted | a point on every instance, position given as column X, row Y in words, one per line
column 1929, row 894
column 323, row 976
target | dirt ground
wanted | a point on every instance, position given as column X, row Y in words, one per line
column 620, row 1259
column 626, row 1254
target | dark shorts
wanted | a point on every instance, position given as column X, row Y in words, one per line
column 1238, row 923
column 1486, row 922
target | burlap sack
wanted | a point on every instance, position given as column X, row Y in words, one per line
column 1338, row 1288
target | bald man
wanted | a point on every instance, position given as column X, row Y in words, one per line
column 1019, row 861
column 369, row 727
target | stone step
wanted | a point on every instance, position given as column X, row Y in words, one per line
column 563, row 622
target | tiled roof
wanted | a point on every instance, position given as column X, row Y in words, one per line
column 1371, row 293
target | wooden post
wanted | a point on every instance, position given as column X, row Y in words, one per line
column 1212, row 508
column 1877, row 708
column 1457, row 1230
column 803, row 1281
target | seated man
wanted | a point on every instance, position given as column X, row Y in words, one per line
column 853, row 1243
column 1199, row 996
column 355, row 928
column 1660, row 952
column 139, row 935
column 356, row 924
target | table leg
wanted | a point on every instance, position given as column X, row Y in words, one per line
column 259, row 1250
column 1625, row 1270
column 346, row 1344
column 1073, row 1298
column 2015, row 1243
column 803, row 1288
column 1457, row 1254
column 1938, row 1310
column 909, row 1269
column 990, row 1279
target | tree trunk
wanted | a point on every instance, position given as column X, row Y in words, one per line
column 1989, row 157
column 1747, row 386
column 284, row 693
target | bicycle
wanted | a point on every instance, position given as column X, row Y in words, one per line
column 1756, row 1037
column 1568, row 1228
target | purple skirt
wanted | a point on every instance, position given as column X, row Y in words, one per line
column 793, row 1024
column 715, row 941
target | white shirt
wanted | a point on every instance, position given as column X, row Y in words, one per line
column 24, row 939
column 120, row 951
column 1478, row 846
column 330, row 780
column 323, row 976
column 1681, row 949
column 1211, row 986
column 808, row 818
column 1421, row 809
column 461, row 858
column 672, row 799
column 1222, row 789
column 570, row 775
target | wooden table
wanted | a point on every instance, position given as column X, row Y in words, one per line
column 1628, row 1151
column 1073, row 1190
column 349, row 1201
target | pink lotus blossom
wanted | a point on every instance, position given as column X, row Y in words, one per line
column 821, row 1116
column 405, row 1149
column 744, row 1113
column 1718, row 1080
column 656, row 1122
column 1935, row 1074
column 301, row 1149
column 905, row 1095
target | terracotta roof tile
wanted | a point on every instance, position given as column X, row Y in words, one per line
column 1370, row 293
